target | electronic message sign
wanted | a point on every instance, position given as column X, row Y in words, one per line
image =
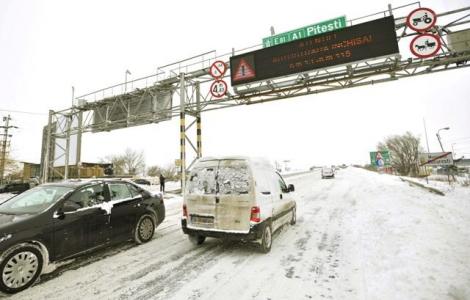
column 351, row 44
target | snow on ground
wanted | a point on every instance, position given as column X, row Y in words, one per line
column 169, row 186
column 361, row 235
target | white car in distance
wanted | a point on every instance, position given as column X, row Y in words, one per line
column 327, row 172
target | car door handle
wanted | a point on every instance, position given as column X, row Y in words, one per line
column 217, row 200
column 280, row 196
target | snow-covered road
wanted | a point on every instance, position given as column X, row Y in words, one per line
column 359, row 236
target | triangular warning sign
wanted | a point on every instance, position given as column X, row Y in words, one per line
column 243, row 71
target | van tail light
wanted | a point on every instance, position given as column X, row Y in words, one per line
column 185, row 211
column 255, row 214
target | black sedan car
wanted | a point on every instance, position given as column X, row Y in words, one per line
column 142, row 181
column 57, row 221
column 14, row 187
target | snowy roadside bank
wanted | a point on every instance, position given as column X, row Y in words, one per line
column 415, row 245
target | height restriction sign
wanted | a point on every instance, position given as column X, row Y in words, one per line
column 218, row 88
column 218, row 69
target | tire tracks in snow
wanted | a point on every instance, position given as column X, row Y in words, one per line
column 161, row 286
column 318, row 257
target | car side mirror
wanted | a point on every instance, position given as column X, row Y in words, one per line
column 145, row 194
column 291, row 188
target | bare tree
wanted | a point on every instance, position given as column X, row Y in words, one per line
column 154, row 171
column 132, row 162
column 12, row 170
column 118, row 163
column 404, row 151
column 169, row 171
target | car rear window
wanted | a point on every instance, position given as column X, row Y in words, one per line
column 119, row 191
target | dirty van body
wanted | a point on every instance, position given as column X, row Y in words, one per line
column 236, row 198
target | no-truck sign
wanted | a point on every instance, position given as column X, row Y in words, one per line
column 425, row 45
column 218, row 69
column 436, row 159
column 421, row 19
column 218, row 88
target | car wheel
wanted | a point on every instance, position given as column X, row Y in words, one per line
column 266, row 239
column 196, row 239
column 20, row 269
column 294, row 216
column 144, row 229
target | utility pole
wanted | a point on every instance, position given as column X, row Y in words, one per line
column 4, row 145
column 427, row 144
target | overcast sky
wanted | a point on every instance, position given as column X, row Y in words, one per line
column 48, row 46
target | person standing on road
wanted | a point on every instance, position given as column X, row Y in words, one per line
column 162, row 183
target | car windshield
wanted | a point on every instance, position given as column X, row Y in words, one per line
column 35, row 200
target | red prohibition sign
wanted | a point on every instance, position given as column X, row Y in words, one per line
column 422, row 47
column 218, row 88
column 421, row 15
column 218, row 69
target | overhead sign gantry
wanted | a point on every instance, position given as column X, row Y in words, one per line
column 312, row 65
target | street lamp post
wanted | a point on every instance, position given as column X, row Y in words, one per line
column 439, row 137
column 125, row 80
column 442, row 148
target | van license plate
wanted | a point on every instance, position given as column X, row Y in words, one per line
column 202, row 219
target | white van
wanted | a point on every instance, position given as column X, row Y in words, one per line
column 236, row 198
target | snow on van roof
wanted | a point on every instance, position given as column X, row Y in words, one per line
column 254, row 161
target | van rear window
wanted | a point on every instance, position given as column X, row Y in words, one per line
column 233, row 179
column 202, row 181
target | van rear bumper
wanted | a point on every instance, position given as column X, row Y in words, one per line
column 254, row 233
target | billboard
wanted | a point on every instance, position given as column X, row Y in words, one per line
column 436, row 159
column 123, row 111
column 344, row 46
column 380, row 159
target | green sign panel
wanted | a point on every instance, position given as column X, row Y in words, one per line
column 380, row 159
column 300, row 33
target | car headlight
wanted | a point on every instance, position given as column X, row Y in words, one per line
column 5, row 237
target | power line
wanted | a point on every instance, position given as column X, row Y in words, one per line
column 23, row 112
